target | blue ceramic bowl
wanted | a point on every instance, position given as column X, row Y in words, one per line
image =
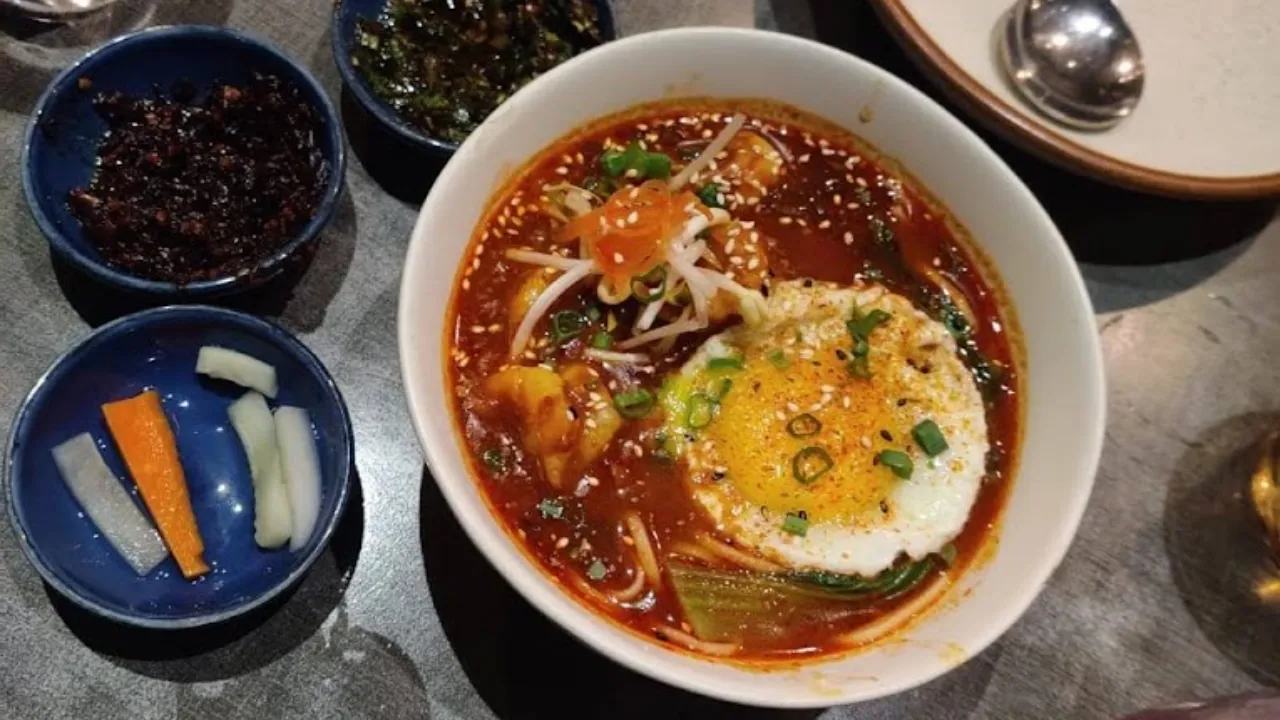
column 343, row 33
column 157, row 349
column 63, row 136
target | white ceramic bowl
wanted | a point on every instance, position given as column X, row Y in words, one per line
column 1063, row 380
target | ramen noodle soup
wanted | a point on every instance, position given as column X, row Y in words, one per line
column 734, row 381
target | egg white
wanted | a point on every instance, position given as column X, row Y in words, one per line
column 861, row 517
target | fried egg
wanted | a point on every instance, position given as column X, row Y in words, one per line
column 761, row 412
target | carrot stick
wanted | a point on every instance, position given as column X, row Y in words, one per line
column 142, row 433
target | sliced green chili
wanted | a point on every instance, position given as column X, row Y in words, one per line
column 651, row 286
column 810, row 464
column 897, row 461
column 657, row 166
column 634, row 404
column 719, row 388
column 804, row 425
column 795, row 524
column 701, row 410
column 778, row 359
column 929, row 437
column 566, row 325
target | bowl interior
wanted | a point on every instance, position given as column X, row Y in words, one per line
column 65, row 130
column 1063, row 390
column 158, row 350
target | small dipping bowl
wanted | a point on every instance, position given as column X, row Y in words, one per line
column 157, row 349
column 62, row 139
column 343, row 33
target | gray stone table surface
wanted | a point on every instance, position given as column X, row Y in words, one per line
column 403, row 618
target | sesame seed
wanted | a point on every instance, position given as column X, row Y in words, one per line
column 836, row 200
column 502, row 220
column 785, row 219
column 562, row 170
column 728, row 247
column 466, row 284
column 736, row 260
column 618, row 258
column 633, row 218
column 845, row 401
column 566, row 159
column 865, row 441
column 937, row 262
column 753, row 263
column 848, row 238
column 631, row 172
column 824, row 224
column 804, row 158
column 793, row 407
column 590, row 423
column 477, row 329
column 828, row 389
column 495, row 328
column 780, row 415
column 620, row 223
column 562, row 543
column 862, row 182
column 802, row 223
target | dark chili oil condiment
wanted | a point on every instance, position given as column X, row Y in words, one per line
column 444, row 65
column 187, row 191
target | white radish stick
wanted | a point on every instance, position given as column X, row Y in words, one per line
column 272, row 518
column 301, row 471
column 243, row 370
column 108, row 504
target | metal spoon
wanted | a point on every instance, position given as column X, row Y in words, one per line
column 1076, row 61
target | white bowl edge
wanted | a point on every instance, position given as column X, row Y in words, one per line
column 1065, row 394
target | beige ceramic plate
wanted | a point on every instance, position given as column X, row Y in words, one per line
column 1208, row 122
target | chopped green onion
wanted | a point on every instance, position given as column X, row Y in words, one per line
column 551, row 509
column 948, row 554
column 633, row 404
column 858, row 366
column 566, row 325
column 701, row 410
column 601, row 187
column 804, row 425
column 725, row 363
column 656, row 165
column 882, row 233
column 872, row 273
column 861, row 348
column 613, row 162
column 861, row 325
column 897, row 461
column 651, row 286
column 810, row 464
column 720, row 388
column 494, row 459
column 602, row 340
column 795, row 524
column 592, row 312
column 778, row 359
column 863, row 195
column 709, row 194
column 929, row 437
column 596, row 571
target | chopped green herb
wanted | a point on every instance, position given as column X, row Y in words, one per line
column 795, row 524
column 953, row 318
column 725, row 363
column 862, row 324
column 645, row 164
column 657, row 166
column 602, row 187
column 596, row 571
column 592, row 312
column 567, row 325
column 602, row 340
column 872, row 273
column 810, row 464
column 859, row 366
column 494, row 459
column 863, row 196
column 897, row 461
column 719, row 388
column 551, row 509
column 651, row 286
column 929, row 437
column 709, row 194
column 881, row 232
column 634, row 404
column 702, row 410
column 778, row 359
column 804, row 425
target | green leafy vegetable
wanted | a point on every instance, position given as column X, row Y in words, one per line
column 810, row 464
column 929, row 437
column 634, row 404
column 897, row 461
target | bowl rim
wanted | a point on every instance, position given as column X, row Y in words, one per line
column 391, row 119
column 272, row 332
column 532, row 583
column 264, row 268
